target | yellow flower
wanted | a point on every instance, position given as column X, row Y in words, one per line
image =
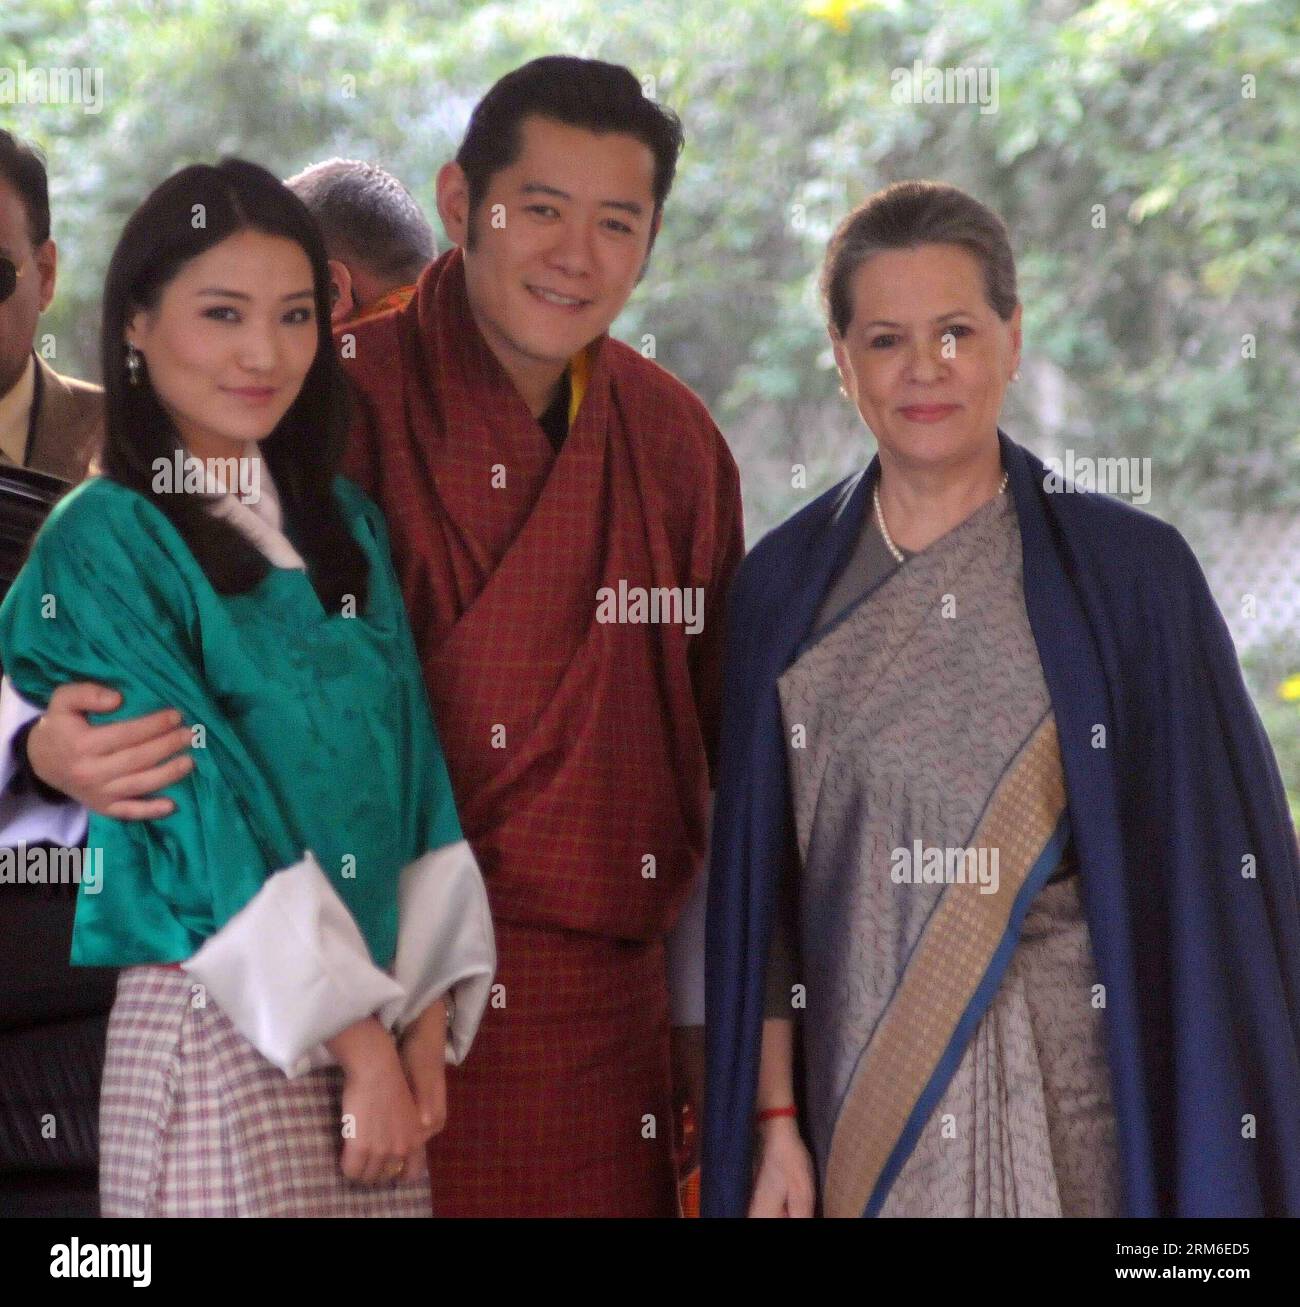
column 1290, row 689
column 836, row 12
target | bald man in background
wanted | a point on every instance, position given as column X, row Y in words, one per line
column 48, row 422
column 376, row 236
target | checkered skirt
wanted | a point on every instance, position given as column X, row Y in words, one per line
column 194, row 1121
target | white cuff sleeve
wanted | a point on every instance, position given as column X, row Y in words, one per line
column 27, row 818
column 685, row 953
column 291, row 969
column 444, row 944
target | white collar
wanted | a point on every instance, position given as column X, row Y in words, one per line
column 16, row 412
column 260, row 520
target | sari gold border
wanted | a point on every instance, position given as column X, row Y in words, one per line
column 946, row 969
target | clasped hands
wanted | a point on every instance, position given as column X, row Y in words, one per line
column 394, row 1095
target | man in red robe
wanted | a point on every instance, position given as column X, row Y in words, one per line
column 565, row 519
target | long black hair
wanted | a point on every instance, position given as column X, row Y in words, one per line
column 188, row 214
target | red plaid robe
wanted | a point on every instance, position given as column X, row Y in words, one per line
column 578, row 750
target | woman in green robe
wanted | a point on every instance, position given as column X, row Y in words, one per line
column 305, row 936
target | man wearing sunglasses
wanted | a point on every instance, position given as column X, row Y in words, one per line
column 47, row 422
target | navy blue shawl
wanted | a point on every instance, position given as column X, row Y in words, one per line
column 1200, row 963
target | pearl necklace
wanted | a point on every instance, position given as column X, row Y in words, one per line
column 884, row 530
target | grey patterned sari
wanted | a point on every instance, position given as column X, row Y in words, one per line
column 953, row 1033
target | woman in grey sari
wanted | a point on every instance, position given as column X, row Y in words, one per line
column 926, row 785
column 1004, row 902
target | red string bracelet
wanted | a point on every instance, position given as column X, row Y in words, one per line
column 771, row 1113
